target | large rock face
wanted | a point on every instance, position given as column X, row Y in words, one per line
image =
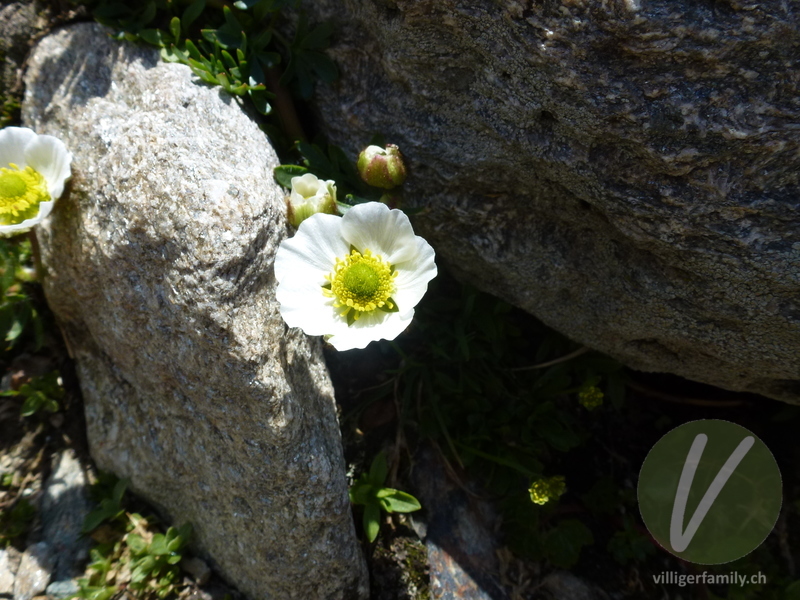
column 159, row 268
column 625, row 170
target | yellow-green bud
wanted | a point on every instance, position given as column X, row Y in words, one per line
column 383, row 168
column 543, row 491
column 311, row 195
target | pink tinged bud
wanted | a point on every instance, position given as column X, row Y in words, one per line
column 383, row 168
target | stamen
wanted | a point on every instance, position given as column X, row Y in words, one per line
column 361, row 283
column 21, row 192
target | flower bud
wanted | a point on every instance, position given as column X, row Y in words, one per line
column 311, row 195
column 382, row 168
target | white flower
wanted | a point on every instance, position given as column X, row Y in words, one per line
column 353, row 279
column 311, row 195
column 33, row 169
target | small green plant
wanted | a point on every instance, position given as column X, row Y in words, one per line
column 108, row 492
column 369, row 492
column 18, row 313
column 131, row 555
column 40, row 393
column 630, row 544
column 237, row 47
column 15, row 521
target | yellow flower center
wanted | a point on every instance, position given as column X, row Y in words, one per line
column 21, row 192
column 361, row 283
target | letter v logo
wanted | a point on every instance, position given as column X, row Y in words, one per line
column 679, row 540
column 710, row 491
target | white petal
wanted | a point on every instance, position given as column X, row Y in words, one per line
column 49, row 156
column 315, row 247
column 301, row 264
column 413, row 276
column 386, row 232
column 13, row 141
column 307, row 186
column 308, row 313
column 373, row 326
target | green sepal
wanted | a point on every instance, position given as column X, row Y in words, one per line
column 389, row 309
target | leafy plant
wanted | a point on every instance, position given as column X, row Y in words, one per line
column 131, row 555
column 18, row 313
column 468, row 377
column 235, row 47
column 629, row 544
column 15, row 521
column 110, row 504
column 368, row 491
column 40, row 393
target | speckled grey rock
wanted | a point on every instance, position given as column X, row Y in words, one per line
column 159, row 268
column 34, row 571
column 9, row 564
column 64, row 506
column 625, row 170
column 63, row 589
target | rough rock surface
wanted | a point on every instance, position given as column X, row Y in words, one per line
column 459, row 532
column 64, row 507
column 159, row 269
column 9, row 564
column 34, row 571
column 625, row 170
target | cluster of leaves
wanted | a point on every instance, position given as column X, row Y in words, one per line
column 18, row 313
column 457, row 385
column 9, row 111
column 238, row 47
column 40, row 394
column 131, row 555
column 369, row 491
column 16, row 520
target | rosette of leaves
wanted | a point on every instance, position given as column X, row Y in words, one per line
column 234, row 47
column 40, row 393
column 368, row 491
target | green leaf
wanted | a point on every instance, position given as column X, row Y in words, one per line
column 136, row 543
column 17, row 326
column 564, row 542
column 318, row 163
column 397, row 501
column 284, row 173
column 378, row 470
column 119, row 491
column 318, row 38
column 260, row 100
column 191, row 13
column 31, row 405
column 372, row 524
column 154, row 37
column 158, row 547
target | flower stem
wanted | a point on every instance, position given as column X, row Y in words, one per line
column 284, row 107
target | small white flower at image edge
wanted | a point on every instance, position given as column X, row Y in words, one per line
column 33, row 170
column 353, row 279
